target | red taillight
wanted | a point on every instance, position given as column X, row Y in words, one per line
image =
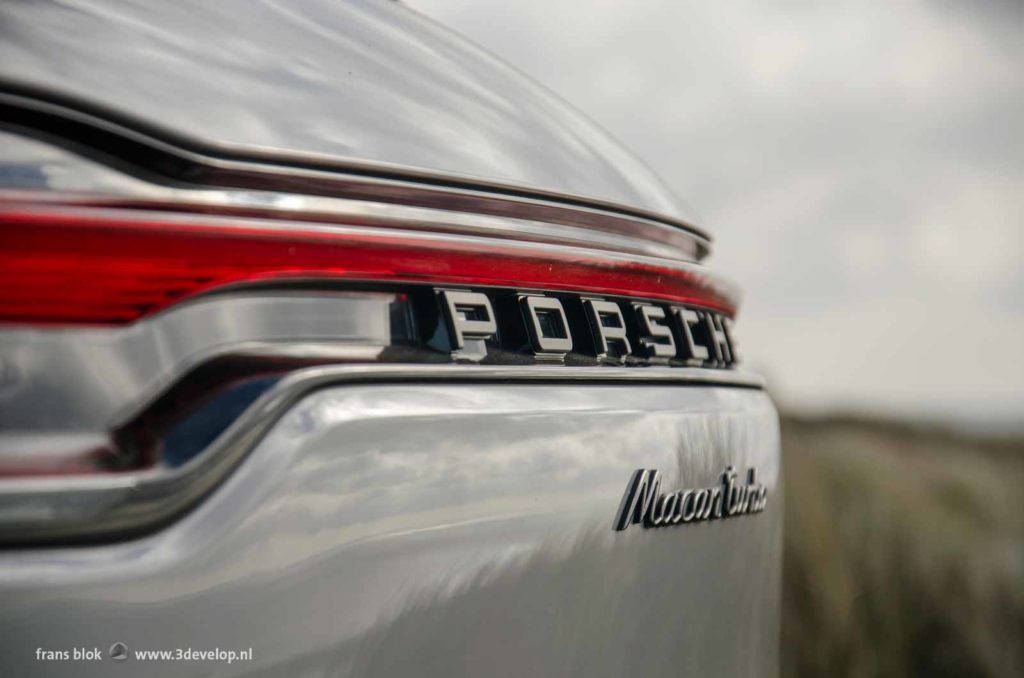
column 110, row 268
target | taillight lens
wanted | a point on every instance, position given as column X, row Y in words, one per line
column 105, row 267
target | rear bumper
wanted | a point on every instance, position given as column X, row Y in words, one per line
column 446, row 528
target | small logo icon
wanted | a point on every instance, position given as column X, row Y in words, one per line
column 119, row 652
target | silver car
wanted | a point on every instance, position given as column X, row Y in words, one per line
column 330, row 346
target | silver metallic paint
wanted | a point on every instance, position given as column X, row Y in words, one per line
column 112, row 504
column 370, row 83
column 440, row 529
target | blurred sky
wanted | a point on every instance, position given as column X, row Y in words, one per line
column 861, row 166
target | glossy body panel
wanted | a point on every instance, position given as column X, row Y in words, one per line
column 116, row 373
column 441, row 529
column 370, row 82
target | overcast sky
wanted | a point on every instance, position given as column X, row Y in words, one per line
column 861, row 166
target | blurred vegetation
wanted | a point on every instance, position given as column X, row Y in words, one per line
column 904, row 551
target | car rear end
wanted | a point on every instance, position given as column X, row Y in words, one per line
column 452, row 398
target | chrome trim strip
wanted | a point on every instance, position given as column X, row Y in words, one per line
column 642, row 238
column 112, row 507
column 168, row 156
column 98, row 378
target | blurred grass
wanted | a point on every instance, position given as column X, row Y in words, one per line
column 904, row 551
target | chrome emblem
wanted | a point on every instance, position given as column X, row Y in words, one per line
column 470, row 321
column 547, row 325
column 644, row 504
column 496, row 325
